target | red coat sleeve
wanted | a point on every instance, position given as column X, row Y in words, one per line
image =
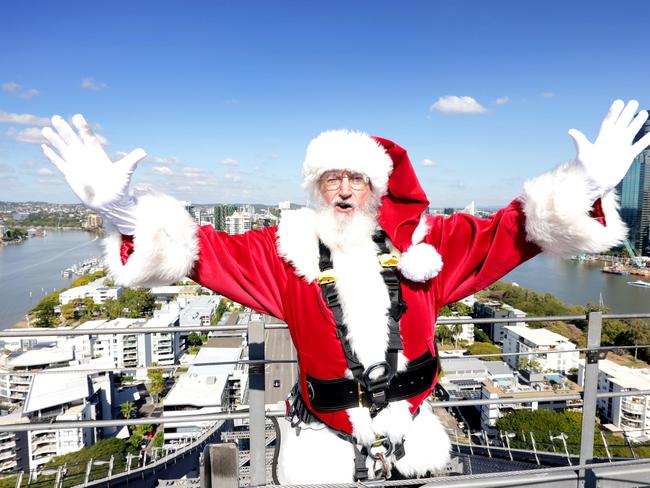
column 477, row 252
column 245, row 268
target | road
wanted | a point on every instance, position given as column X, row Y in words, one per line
column 279, row 346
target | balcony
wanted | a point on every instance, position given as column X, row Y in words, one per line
column 553, row 463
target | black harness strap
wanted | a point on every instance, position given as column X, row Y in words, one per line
column 377, row 387
column 331, row 297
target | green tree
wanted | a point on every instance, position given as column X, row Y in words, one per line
column 443, row 333
column 480, row 336
column 194, row 339
column 455, row 308
column 221, row 309
column 44, row 312
column 127, row 409
column 157, row 382
column 158, row 439
column 456, row 331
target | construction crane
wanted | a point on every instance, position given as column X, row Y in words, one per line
column 636, row 260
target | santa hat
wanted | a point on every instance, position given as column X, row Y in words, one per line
column 391, row 174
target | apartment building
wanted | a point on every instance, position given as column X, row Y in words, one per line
column 464, row 377
column 204, row 388
column 16, row 370
column 630, row 413
column 554, row 386
column 59, row 397
column 96, row 291
column 494, row 309
column 238, row 223
column 523, row 339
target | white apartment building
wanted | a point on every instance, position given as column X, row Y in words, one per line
column 198, row 310
column 160, row 347
column 130, row 350
column 203, row 389
column 520, row 338
column 238, row 223
column 17, row 370
column 630, row 413
column 554, row 386
column 96, row 290
column 59, row 397
column 13, row 445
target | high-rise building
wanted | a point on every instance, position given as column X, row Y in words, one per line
column 238, row 223
column 634, row 191
column 220, row 214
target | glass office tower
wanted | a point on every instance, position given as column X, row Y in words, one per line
column 634, row 191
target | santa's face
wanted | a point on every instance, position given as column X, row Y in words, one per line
column 345, row 191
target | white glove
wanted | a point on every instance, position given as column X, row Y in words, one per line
column 100, row 184
column 606, row 161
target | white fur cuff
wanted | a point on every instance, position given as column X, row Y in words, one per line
column 420, row 262
column 557, row 206
column 165, row 244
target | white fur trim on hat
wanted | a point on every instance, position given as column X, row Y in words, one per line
column 353, row 151
column 165, row 244
column 557, row 206
column 421, row 261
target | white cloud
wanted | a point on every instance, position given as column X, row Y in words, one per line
column 10, row 87
column 429, row 162
column 547, row 94
column 231, row 177
column 45, row 172
column 161, row 160
column 23, row 119
column 93, row 85
column 457, row 105
column 161, row 170
column 230, row 162
column 17, row 90
column 184, row 188
column 190, row 172
column 502, row 100
column 30, row 135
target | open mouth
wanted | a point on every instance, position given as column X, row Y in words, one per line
column 344, row 206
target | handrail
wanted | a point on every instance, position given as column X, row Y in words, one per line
column 587, row 397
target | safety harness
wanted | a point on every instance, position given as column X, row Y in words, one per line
column 373, row 387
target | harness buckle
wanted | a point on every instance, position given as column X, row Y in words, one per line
column 382, row 381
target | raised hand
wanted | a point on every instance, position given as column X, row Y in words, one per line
column 98, row 182
column 608, row 158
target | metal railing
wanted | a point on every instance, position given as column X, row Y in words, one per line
column 257, row 412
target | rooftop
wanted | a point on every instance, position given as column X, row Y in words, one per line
column 43, row 356
column 51, row 389
column 540, row 337
column 203, row 384
column 625, row 377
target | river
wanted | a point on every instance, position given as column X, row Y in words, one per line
column 35, row 266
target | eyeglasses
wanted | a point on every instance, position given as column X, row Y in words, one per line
column 332, row 180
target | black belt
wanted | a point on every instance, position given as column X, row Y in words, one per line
column 343, row 393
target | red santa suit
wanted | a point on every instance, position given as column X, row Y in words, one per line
column 275, row 271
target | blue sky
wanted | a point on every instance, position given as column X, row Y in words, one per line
column 224, row 96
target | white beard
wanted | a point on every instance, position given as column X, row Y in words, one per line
column 345, row 232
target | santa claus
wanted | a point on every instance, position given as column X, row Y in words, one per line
column 359, row 278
